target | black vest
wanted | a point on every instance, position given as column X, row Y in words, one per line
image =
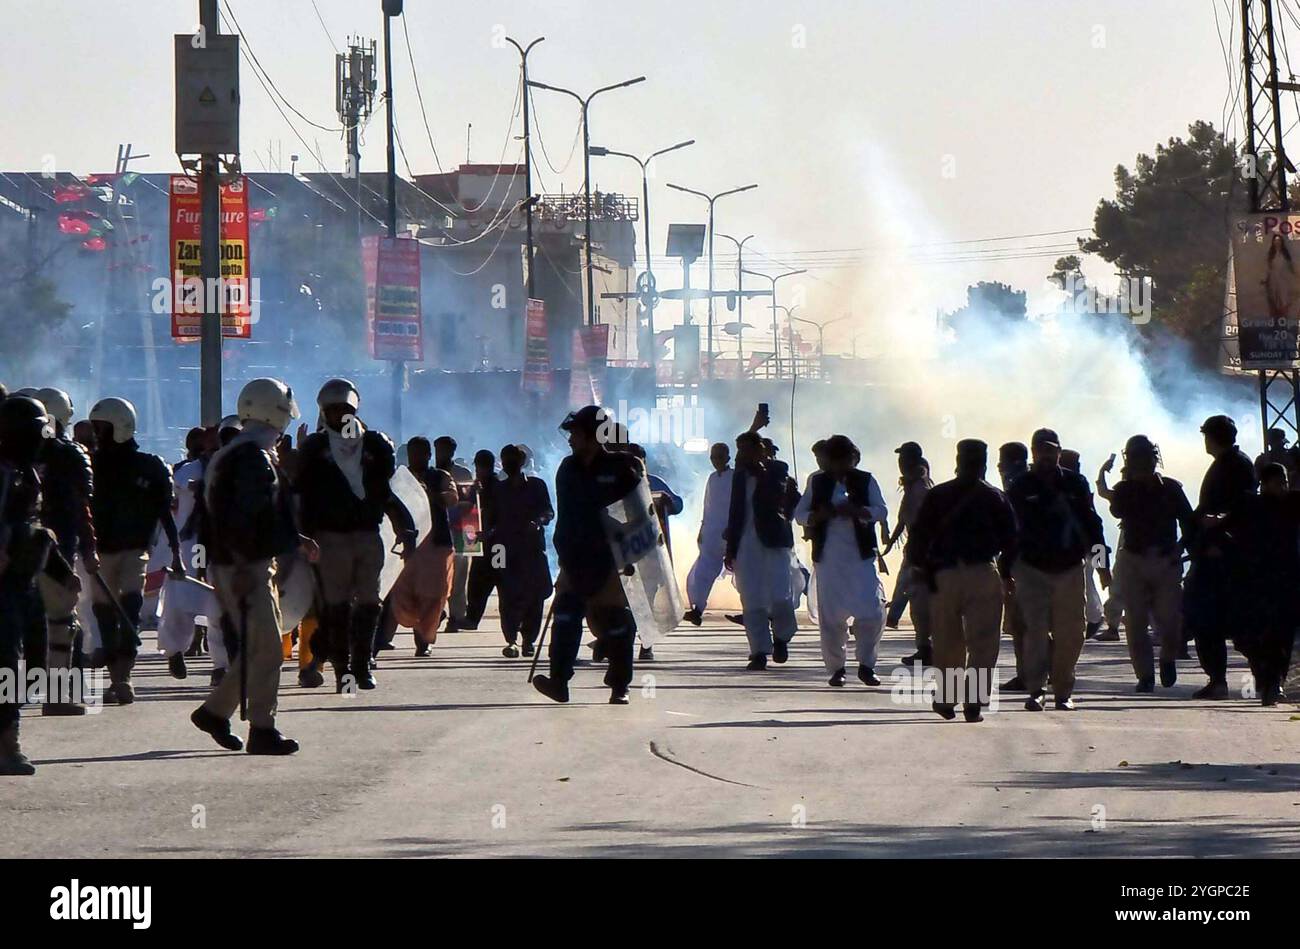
column 822, row 489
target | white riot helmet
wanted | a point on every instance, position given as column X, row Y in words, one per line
column 339, row 392
column 116, row 412
column 269, row 401
column 57, row 403
column 26, row 392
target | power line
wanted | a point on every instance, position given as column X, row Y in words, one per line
column 323, row 26
column 419, row 95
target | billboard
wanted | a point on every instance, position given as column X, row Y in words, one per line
column 190, row 296
column 394, row 325
column 537, row 356
column 1266, row 285
column 587, row 365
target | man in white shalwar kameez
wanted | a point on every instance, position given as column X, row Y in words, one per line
column 759, row 541
column 841, row 509
column 713, row 523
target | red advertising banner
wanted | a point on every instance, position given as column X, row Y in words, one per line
column 537, row 355
column 233, row 297
column 394, row 326
column 587, row 365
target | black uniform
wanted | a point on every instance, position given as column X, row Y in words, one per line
column 68, row 485
column 523, row 586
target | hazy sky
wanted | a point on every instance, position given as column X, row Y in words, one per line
column 873, row 124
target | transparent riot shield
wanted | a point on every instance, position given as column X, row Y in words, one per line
column 296, row 588
column 411, row 493
column 632, row 527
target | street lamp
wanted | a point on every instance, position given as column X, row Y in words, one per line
column 600, row 152
column 789, row 317
column 740, row 294
column 776, row 343
column 586, row 175
column 528, row 156
column 821, row 339
column 711, row 199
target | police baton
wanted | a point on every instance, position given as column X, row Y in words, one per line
column 541, row 640
column 243, row 658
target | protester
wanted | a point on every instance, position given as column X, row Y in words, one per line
column 522, row 511
column 709, row 541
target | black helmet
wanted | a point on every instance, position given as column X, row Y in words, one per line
column 24, row 425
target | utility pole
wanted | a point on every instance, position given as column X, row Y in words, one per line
column 740, row 297
column 391, row 9
column 1268, row 185
column 528, row 155
column 354, row 96
column 210, row 260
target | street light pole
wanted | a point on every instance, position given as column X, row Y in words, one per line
column 528, row 156
column 821, row 339
column 776, row 343
column 644, row 164
column 711, row 199
column 740, row 295
column 789, row 318
column 391, row 9
column 586, row 176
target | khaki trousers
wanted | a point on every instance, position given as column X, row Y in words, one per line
column 124, row 572
column 1052, row 604
column 965, row 615
column 349, row 566
column 1153, row 595
column 262, row 642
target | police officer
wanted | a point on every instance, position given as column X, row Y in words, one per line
column 251, row 523
column 67, row 486
column 590, row 479
column 963, row 527
column 1060, row 535
column 26, row 551
column 343, row 486
column 1148, row 566
column 1013, row 461
column 133, row 493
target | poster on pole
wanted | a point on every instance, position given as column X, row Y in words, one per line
column 537, row 356
column 1266, row 281
column 394, row 326
column 587, row 365
column 232, row 296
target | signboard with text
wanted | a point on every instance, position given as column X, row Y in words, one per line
column 537, row 356
column 191, row 297
column 1266, row 280
column 394, row 325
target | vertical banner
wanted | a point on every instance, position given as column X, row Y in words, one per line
column 587, row 365
column 1266, row 281
column 466, row 522
column 394, row 326
column 537, row 356
column 233, row 298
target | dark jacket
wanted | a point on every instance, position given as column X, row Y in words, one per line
column 822, row 489
column 1059, row 527
column 328, row 502
column 582, row 492
column 133, row 492
column 250, row 511
column 961, row 522
column 1151, row 514
column 68, row 484
column 774, row 499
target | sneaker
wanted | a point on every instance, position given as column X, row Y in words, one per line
column 647, row 654
column 176, row 665
column 1065, row 705
column 1109, row 635
column 217, row 727
column 528, row 649
column 511, row 651
column 923, row 656
column 1271, row 696
column 736, row 618
column 617, row 697
column 421, row 650
column 945, row 710
column 1215, row 690
column 309, row 677
column 780, row 651
column 1146, row 685
column 1035, row 702
column 1168, row 674
column 268, row 741
column 1013, row 685
column 837, row 679
column 973, row 713
column 757, row 663
column 125, row 693
column 867, row 676
column 555, row 691
column 694, row 616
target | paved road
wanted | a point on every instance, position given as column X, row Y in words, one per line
column 456, row 755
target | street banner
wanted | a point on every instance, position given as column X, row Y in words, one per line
column 537, row 356
column 466, row 521
column 394, row 326
column 587, row 365
column 1266, row 281
column 234, row 299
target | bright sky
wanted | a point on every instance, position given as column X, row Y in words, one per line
column 870, row 124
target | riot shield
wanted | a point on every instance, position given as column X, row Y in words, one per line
column 632, row 528
column 296, row 588
column 411, row 493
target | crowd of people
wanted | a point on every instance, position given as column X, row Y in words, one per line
column 335, row 538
